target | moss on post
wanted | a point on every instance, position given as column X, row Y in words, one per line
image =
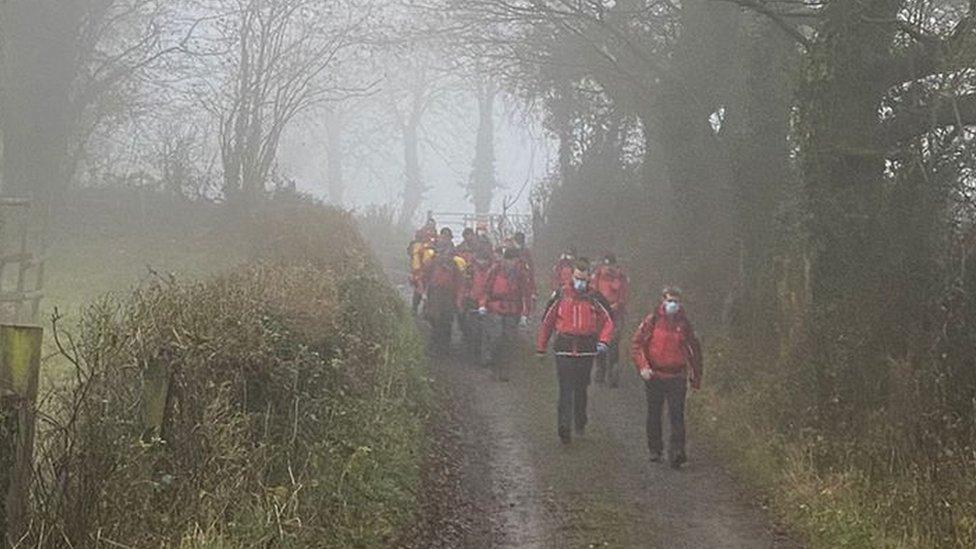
column 20, row 359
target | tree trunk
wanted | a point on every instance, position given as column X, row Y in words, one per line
column 843, row 178
column 413, row 190
column 758, row 123
column 699, row 242
column 482, row 185
column 39, row 67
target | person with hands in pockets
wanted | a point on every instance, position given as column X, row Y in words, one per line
column 583, row 328
column 667, row 353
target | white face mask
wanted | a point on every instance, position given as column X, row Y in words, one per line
column 671, row 307
column 579, row 285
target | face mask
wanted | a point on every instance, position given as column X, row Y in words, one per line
column 671, row 307
column 579, row 285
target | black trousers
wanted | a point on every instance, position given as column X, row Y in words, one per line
column 606, row 364
column 673, row 392
column 573, row 373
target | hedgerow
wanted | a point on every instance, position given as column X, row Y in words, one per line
column 293, row 415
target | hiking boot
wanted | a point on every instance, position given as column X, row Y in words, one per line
column 678, row 460
column 655, row 457
column 564, row 436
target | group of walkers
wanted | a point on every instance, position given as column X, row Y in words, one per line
column 490, row 291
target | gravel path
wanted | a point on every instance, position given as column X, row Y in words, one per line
column 515, row 485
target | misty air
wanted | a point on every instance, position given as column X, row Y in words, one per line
column 665, row 274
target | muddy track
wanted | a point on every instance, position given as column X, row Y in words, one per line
column 517, row 486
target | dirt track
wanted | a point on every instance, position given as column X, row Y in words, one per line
column 515, row 485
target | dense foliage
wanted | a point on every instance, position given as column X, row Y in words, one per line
column 804, row 170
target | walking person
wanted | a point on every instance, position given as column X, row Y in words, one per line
column 420, row 252
column 612, row 283
column 471, row 322
column 667, row 353
column 505, row 301
column 443, row 284
column 562, row 271
column 583, row 328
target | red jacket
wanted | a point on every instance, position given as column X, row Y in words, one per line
column 443, row 276
column 506, row 291
column 666, row 346
column 474, row 282
column 580, row 321
column 613, row 284
column 562, row 273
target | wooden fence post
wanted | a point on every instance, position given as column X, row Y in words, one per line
column 155, row 397
column 20, row 361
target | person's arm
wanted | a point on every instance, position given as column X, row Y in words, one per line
column 606, row 322
column 547, row 326
column 639, row 342
column 694, row 351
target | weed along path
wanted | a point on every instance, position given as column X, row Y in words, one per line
column 522, row 488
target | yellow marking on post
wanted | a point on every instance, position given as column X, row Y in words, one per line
column 20, row 363
column 20, row 359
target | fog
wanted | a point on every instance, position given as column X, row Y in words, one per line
column 799, row 174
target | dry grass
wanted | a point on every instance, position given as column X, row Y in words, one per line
column 294, row 415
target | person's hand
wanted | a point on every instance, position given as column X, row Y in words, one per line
column 523, row 322
column 645, row 374
column 601, row 348
column 482, row 311
column 696, row 383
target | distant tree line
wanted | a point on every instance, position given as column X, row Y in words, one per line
column 196, row 98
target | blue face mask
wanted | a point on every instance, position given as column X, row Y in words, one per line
column 671, row 307
column 579, row 285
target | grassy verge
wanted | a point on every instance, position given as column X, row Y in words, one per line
column 294, row 415
column 826, row 510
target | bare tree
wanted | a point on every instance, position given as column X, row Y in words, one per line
column 66, row 68
column 272, row 59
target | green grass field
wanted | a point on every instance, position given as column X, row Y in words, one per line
column 96, row 251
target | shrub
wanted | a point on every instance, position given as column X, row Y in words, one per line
column 293, row 416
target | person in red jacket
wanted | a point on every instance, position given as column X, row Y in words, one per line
column 611, row 282
column 469, row 302
column 525, row 256
column 666, row 353
column 583, row 328
column 505, row 300
column 443, row 282
column 562, row 271
column 468, row 246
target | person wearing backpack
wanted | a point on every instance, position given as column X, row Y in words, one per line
column 471, row 322
column 583, row 328
column 420, row 252
column 562, row 271
column 443, row 282
column 667, row 353
column 611, row 282
column 505, row 301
